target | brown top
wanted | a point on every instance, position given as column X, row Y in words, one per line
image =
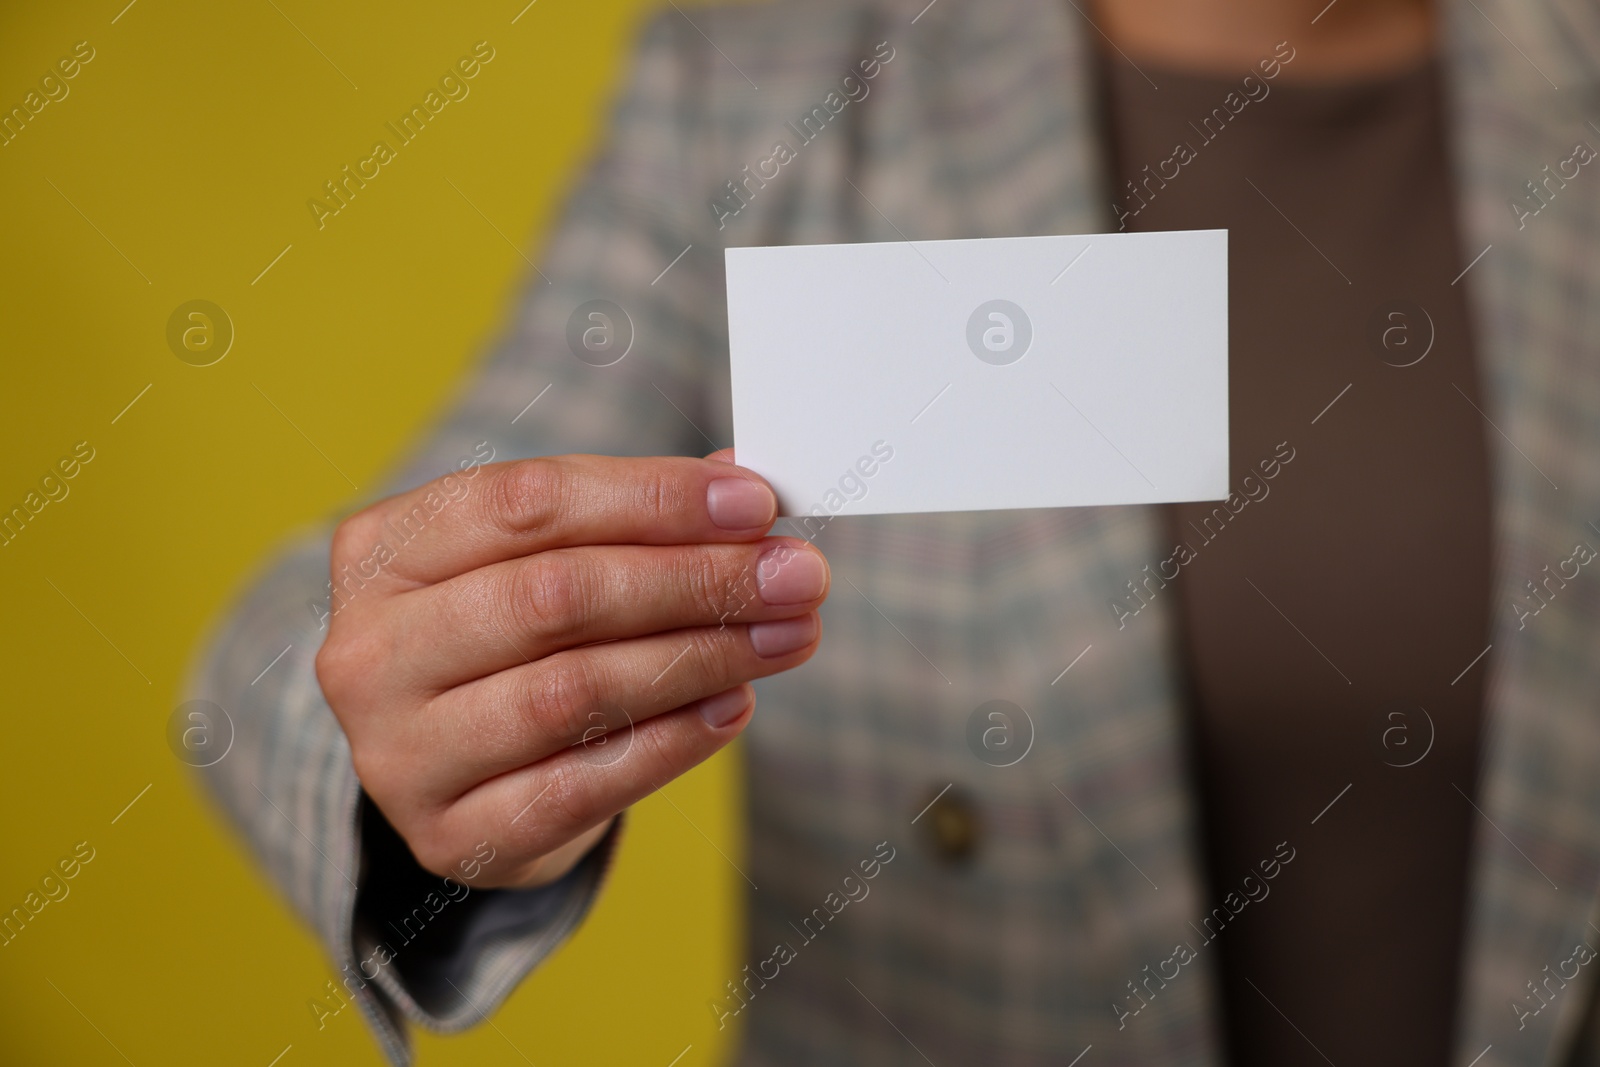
column 1327, row 610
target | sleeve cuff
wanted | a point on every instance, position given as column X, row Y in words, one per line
column 440, row 953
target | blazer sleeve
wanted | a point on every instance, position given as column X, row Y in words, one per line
column 649, row 378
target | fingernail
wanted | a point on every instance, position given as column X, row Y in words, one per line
column 789, row 575
column 771, row 639
column 724, row 708
column 740, row 503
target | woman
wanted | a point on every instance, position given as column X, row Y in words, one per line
column 1252, row 824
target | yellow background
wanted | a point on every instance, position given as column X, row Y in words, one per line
column 182, row 160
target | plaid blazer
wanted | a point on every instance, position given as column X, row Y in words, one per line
column 981, row 125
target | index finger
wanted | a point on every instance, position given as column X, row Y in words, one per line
column 500, row 511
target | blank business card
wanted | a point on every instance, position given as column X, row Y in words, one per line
column 1017, row 372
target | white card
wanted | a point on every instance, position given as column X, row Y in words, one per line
column 1017, row 372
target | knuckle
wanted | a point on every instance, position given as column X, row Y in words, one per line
column 570, row 806
column 706, row 585
column 660, row 492
column 333, row 669
column 350, row 538
column 564, row 691
column 660, row 751
column 529, row 496
column 346, row 661
column 374, row 767
column 714, row 649
column 547, row 595
column 706, row 661
column 433, row 847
